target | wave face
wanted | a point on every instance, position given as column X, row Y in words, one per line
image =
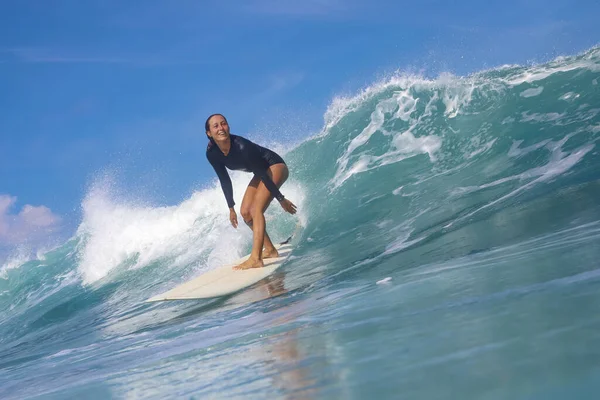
column 447, row 227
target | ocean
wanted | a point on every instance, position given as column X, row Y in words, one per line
column 447, row 245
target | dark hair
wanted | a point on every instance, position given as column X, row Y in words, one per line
column 207, row 126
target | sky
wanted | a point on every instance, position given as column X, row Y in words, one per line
column 122, row 88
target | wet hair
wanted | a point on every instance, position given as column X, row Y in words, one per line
column 207, row 126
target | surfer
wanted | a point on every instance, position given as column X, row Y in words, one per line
column 270, row 172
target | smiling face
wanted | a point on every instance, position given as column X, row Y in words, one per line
column 218, row 128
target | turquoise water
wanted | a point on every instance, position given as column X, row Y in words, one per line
column 447, row 246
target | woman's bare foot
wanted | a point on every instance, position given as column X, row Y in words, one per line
column 270, row 253
column 250, row 263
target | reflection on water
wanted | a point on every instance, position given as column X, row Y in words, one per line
column 281, row 351
column 236, row 357
column 271, row 286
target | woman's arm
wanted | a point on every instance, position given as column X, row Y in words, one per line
column 224, row 179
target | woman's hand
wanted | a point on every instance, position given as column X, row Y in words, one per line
column 288, row 206
column 233, row 217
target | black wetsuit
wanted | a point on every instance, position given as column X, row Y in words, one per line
column 243, row 155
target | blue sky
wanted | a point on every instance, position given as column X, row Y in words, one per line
column 125, row 86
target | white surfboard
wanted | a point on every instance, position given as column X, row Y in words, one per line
column 225, row 280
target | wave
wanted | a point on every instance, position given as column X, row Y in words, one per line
column 407, row 161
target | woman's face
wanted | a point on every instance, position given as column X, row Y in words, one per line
column 218, row 128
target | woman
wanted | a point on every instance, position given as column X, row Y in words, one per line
column 270, row 172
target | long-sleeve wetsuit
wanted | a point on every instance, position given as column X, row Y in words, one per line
column 243, row 155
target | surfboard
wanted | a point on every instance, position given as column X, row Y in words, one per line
column 224, row 280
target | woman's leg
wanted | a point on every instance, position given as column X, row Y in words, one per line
column 260, row 202
column 246, row 212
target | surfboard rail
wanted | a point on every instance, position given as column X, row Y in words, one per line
column 224, row 280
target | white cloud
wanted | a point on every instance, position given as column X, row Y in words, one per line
column 31, row 225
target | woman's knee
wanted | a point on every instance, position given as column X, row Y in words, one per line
column 246, row 214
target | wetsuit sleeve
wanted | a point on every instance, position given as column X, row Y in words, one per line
column 253, row 158
column 224, row 179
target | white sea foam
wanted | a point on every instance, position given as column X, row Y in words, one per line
column 559, row 163
column 482, row 148
column 341, row 105
column 119, row 232
column 517, row 151
column 14, row 261
column 532, row 92
column 20, row 255
column 536, row 73
column 455, row 93
column 537, row 117
column 569, row 96
column 404, row 144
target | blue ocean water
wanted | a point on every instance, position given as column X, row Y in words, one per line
column 447, row 246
